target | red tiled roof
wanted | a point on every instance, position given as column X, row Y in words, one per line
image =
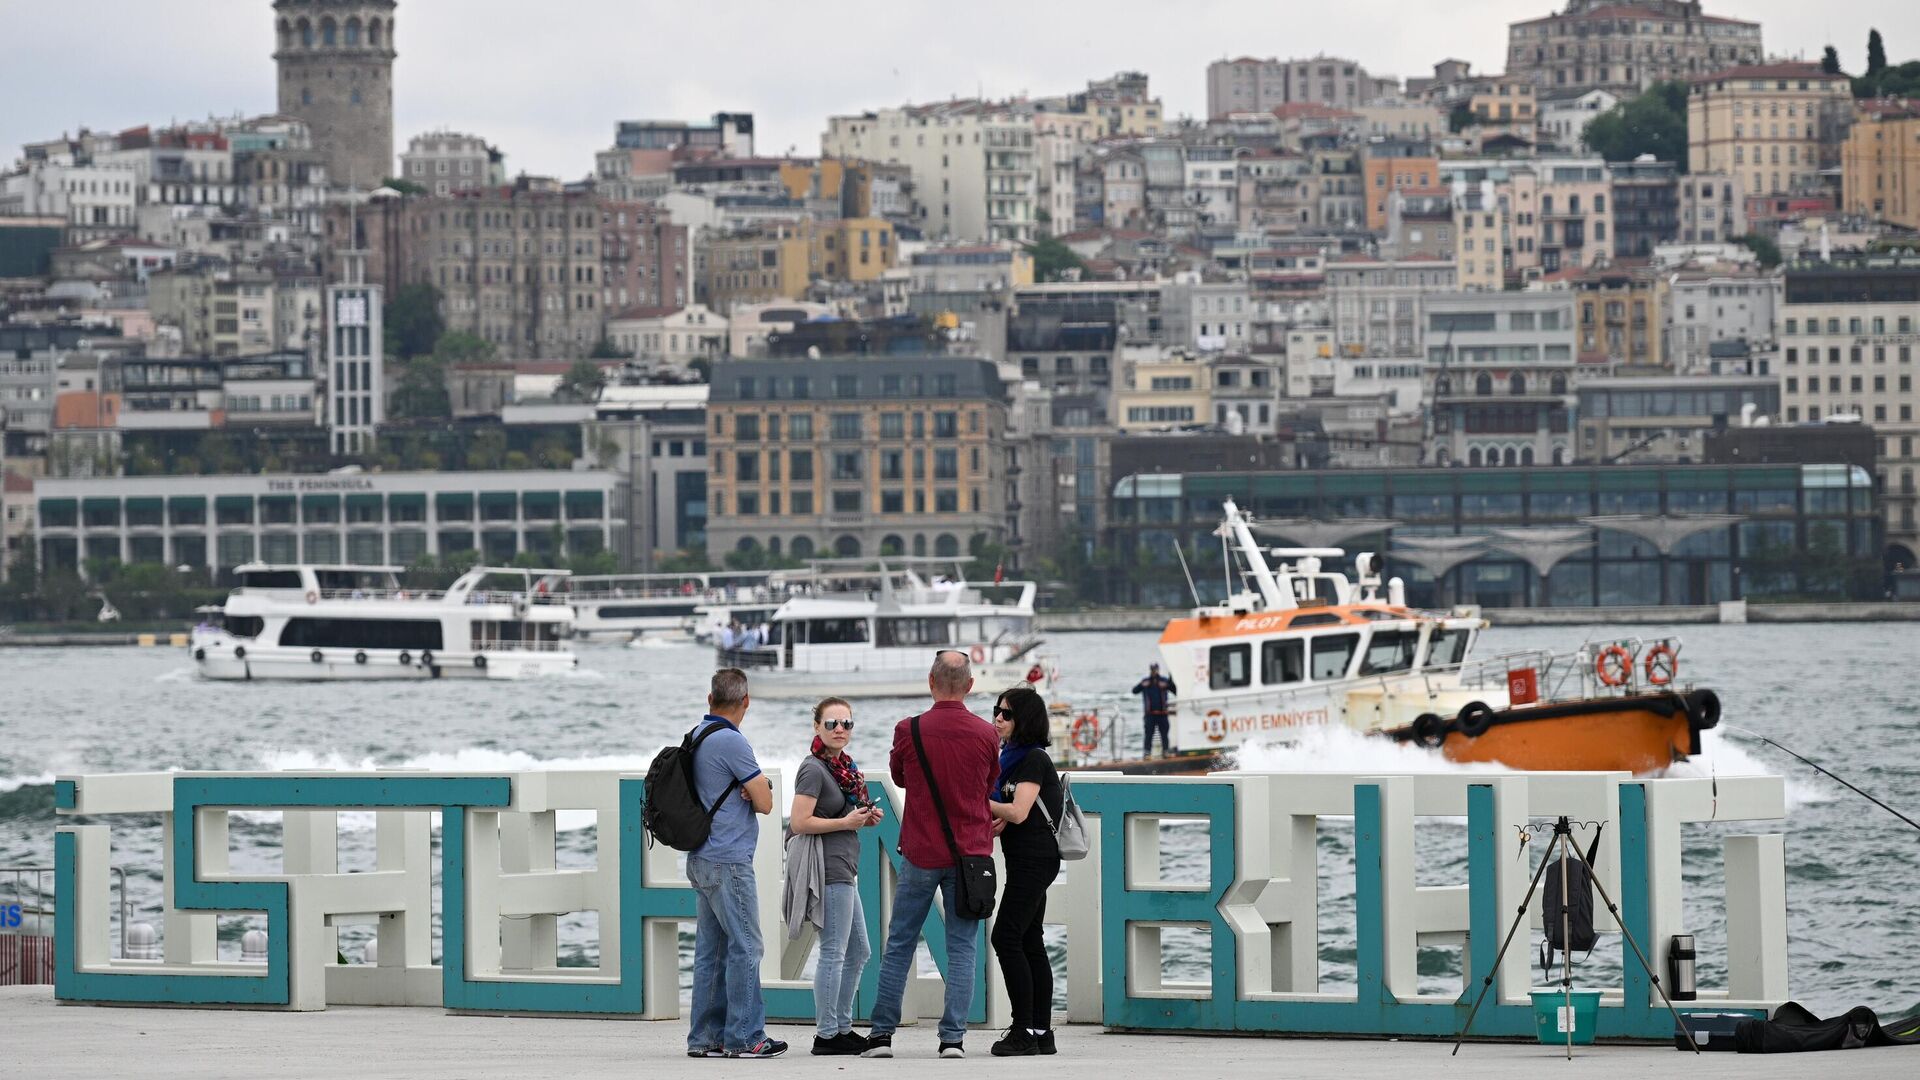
column 1792, row 69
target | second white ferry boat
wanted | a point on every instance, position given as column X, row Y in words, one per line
column 870, row 628
column 335, row 623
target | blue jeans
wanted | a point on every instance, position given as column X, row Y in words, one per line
column 728, row 1011
column 912, row 899
column 843, row 954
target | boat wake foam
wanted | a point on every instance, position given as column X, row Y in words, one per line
column 1326, row 748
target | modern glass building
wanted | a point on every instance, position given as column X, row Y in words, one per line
column 1518, row 537
column 220, row 522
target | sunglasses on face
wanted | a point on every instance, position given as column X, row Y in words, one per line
column 1002, row 710
column 837, row 725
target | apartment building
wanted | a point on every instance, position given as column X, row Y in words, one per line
column 218, row 311
column 534, row 268
column 1161, row 389
column 1500, row 368
column 975, row 168
column 1706, row 307
column 1378, row 308
column 1848, row 333
column 856, row 456
column 1775, row 126
column 1565, row 114
column 1395, row 165
column 1881, row 164
column 444, row 162
column 1625, row 48
column 1622, row 316
column 1505, row 101
column 1711, row 208
column 1248, row 84
column 756, row 265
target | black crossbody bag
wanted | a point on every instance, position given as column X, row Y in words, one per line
column 975, row 872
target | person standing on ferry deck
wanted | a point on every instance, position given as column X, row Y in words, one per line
column 831, row 801
column 1154, row 691
column 1026, row 801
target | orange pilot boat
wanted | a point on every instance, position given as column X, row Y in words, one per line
column 1298, row 645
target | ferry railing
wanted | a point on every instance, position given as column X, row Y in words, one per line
column 519, row 646
column 44, row 899
column 887, row 658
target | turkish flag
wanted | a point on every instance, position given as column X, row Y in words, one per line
column 998, row 573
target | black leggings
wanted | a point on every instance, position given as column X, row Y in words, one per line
column 1018, row 940
column 1159, row 724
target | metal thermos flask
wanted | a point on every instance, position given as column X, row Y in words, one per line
column 1680, row 979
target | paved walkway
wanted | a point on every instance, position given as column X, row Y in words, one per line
column 40, row 1039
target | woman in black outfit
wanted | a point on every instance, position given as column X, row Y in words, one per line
column 1027, row 786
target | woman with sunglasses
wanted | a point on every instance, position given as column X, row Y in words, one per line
column 1026, row 800
column 830, row 800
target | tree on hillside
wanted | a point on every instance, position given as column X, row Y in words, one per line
column 1052, row 259
column 1876, row 54
column 413, row 322
column 1653, row 123
column 421, row 391
column 1830, row 61
column 1461, row 117
column 1766, row 249
column 582, row 382
column 403, row 186
column 460, row 347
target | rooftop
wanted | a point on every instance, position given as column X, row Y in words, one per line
column 1793, row 69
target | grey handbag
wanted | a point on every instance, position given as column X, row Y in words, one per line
column 1070, row 832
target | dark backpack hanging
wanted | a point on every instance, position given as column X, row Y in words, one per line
column 673, row 813
column 1579, row 934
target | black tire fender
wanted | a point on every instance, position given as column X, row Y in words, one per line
column 1475, row 718
column 201, row 654
column 406, row 658
column 360, row 657
column 426, row 658
column 480, row 661
column 315, row 656
column 239, row 652
column 1703, row 708
column 1429, row 730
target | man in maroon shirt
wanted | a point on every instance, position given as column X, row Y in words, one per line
column 964, row 753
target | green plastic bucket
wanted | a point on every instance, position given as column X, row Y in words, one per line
column 1552, row 1016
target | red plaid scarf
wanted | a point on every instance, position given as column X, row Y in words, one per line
column 845, row 773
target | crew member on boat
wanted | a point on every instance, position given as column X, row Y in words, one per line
column 1154, row 691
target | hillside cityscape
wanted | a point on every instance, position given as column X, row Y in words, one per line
column 1629, row 322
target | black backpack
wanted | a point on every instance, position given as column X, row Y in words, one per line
column 1578, row 904
column 672, row 813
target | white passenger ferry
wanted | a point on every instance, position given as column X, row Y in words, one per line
column 870, row 628
column 660, row 605
column 327, row 623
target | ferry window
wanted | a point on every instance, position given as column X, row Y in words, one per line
column 1332, row 654
column 362, row 634
column 270, row 579
column 916, row 632
column 1229, row 666
column 1449, row 648
column 837, row 631
column 245, row 625
column 1283, row 662
column 1390, row 651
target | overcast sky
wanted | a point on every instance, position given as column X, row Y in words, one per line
column 546, row 81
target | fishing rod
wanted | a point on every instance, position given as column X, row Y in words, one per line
column 1816, row 767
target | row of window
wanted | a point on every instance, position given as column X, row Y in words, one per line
column 1855, row 325
column 1329, row 657
column 800, row 387
column 749, row 503
column 847, row 464
column 845, row 427
column 1855, row 354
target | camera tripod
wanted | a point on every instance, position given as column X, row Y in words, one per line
column 1563, row 842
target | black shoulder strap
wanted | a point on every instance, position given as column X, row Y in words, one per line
column 1593, row 849
column 692, row 743
column 933, row 787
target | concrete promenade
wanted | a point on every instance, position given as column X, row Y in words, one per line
column 43, row 1039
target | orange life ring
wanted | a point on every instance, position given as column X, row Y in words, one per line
column 1663, row 664
column 1619, row 671
column 1086, row 733
column 979, row 655
column 312, row 597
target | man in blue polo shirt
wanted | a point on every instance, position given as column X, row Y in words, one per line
column 729, row 1015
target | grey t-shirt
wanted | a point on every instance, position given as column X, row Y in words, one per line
column 842, row 848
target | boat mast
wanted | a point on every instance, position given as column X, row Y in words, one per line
column 1235, row 526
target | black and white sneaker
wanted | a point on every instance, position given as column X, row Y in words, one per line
column 1018, row 1042
column 878, row 1046
column 952, row 1050
column 765, row 1048
column 705, row 1052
